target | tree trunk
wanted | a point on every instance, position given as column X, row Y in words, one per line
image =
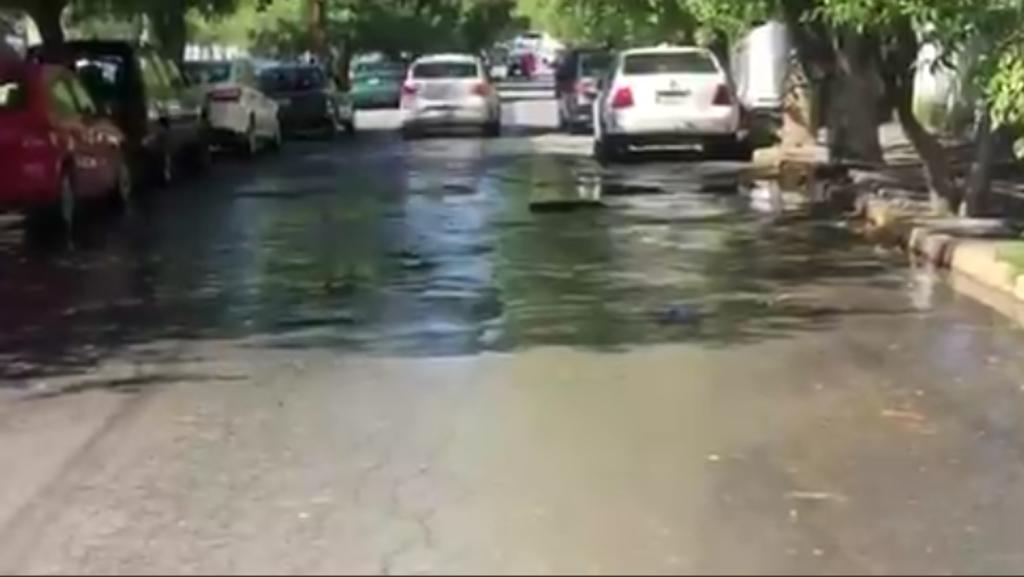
column 898, row 77
column 47, row 16
column 988, row 144
column 938, row 176
column 853, row 105
column 318, row 29
column 344, row 63
column 168, row 22
column 844, row 78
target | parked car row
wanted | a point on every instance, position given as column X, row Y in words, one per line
column 103, row 118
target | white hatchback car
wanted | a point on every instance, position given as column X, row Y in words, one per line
column 237, row 111
column 449, row 90
column 667, row 96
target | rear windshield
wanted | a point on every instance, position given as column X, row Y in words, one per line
column 208, row 72
column 669, row 63
column 103, row 77
column 379, row 69
column 594, row 64
column 428, row 70
column 292, row 79
column 13, row 93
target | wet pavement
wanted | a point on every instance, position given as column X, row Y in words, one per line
column 491, row 355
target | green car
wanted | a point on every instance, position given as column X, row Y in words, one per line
column 377, row 85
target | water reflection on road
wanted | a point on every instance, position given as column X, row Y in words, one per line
column 447, row 246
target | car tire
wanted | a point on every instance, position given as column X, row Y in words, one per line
column 202, row 158
column 331, row 129
column 410, row 133
column 728, row 149
column 124, row 186
column 492, row 129
column 251, row 140
column 58, row 219
column 277, row 140
column 608, row 150
column 165, row 166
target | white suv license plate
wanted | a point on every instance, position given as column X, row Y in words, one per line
column 672, row 99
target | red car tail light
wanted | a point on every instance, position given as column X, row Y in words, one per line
column 226, row 95
column 623, row 98
column 409, row 90
column 482, row 89
column 723, row 96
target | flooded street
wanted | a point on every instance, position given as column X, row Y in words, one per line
column 493, row 355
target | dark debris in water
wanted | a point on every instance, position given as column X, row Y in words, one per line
column 565, row 205
column 305, row 322
column 680, row 315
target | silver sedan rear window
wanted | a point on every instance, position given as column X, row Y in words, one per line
column 432, row 70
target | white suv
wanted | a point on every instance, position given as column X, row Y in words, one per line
column 449, row 90
column 237, row 111
column 667, row 96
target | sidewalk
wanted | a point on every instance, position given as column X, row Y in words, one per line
column 988, row 251
column 894, row 201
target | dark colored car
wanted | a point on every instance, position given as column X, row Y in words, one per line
column 377, row 84
column 160, row 114
column 56, row 147
column 308, row 100
column 576, row 80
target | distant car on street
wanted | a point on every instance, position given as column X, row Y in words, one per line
column 449, row 90
column 377, row 84
column 147, row 95
column 576, row 80
column 57, row 147
column 237, row 111
column 667, row 96
column 308, row 100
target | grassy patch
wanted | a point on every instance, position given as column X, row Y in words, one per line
column 1013, row 253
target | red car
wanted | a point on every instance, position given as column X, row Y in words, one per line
column 57, row 149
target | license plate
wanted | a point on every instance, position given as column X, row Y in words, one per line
column 672, row 99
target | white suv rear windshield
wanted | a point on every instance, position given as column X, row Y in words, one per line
column 669, row 63
column 429, row 70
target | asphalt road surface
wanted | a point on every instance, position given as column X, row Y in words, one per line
column 490, row 355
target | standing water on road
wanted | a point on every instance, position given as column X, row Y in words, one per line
column 427, row 248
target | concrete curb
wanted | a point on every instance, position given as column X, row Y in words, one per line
column 978, row 259
column 967, row 247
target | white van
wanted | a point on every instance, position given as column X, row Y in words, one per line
column 760, row 64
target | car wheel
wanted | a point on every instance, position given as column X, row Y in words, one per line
column 410, row 133
column 121, row 196
column 251, row 140
column 202, row 159
column 277, row 140
column 608, row 150
column 728, row 149
column 165, row 168
column 68, row 205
